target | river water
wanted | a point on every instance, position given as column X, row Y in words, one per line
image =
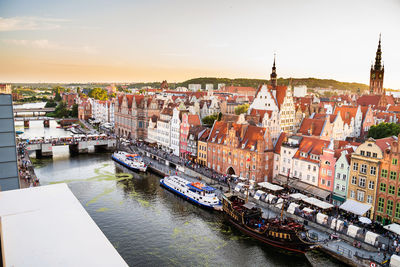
column 147, row 224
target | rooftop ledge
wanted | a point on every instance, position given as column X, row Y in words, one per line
column 47, row 226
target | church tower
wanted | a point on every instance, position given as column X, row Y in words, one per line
column 273, row 76
column 376, row 74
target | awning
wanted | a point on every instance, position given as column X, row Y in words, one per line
column 308, row 210
column 394, row 227
column 355, row 207
column 318, row 203
column 352, row 230
column 298, row 196
column 371, row 238
column 280, row 179
column 269, row 186
column 338, row 198
column 310, row 189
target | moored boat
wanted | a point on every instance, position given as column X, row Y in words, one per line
column 284, row 234
column 131, row 161
column 195, row 192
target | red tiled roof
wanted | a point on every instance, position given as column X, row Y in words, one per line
column 384, row 143
column 346, row 112
column 367, row 100
column 312, row 126
column 311, row 145
column 395, row 109
column 194, row 119
column 130, row 99
column 281, row 139
column 239, row 89
column 280, row 93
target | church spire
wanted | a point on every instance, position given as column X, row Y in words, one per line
column 273, row 74
column 378, row 57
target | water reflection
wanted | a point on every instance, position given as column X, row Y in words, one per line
column 149, row 225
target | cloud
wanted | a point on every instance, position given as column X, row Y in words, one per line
column 29, row 23
column 46, row 44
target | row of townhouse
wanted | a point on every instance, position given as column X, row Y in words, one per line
column 100, row 110
column 312, row 164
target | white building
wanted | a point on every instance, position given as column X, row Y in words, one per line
column 152, row 130
column 209, row 86
column 175, row 131
column 194, row 87
column 164, row 129
column 300, row 91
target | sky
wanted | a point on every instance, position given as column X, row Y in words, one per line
column 154, row 40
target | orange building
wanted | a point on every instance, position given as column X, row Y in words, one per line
column 240, row 149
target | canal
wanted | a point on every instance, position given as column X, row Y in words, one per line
column 147, row 224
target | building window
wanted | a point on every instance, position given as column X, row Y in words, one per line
column 389, row 207
column 344, row 177
column 373, row 170
column 374, row 155
column 338, row 176
column 369, row 199
column 329, row 173
column 328, row 183
column 381, row 204
column 382, row 187
column 323, row 181
column 371, row 185
column 397, row 211
column 355, row 166
column 362, row 153
column 394, row 161
column 361, row 182
column 314, row 168
column 368, row 154
column 337, row 186
column 352, row 194
column 384, row 173
column 363, row 168
column 360, row 196
column 391, row 189
column 354, row 180
column 393, row 175
column 343, row 188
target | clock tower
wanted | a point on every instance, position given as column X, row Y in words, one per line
column 376, row 73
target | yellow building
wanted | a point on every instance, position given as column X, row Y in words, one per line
column 202, row 148
column 364, row 172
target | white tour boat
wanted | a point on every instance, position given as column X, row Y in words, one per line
column 131, row 161
column 194, row 192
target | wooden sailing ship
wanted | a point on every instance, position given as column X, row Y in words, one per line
column 285, row 234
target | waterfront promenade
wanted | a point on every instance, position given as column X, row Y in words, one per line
column 341, row 246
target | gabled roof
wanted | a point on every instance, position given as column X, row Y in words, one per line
column 280, row 94
column 312, row 127
column 310, row 145
column 346, row 112
column 167, row 111
column 130, row 99
column 204, row 136
column 385, row 143
column 281, row 139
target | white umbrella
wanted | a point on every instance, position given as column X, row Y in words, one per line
column 365, row 220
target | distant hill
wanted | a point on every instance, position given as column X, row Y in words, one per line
column 309, row 82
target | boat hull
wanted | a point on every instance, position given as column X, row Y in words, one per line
column 129, row 167
column 293, row 248
column 187, row 197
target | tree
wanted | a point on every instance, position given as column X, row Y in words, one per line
column 98, row 93
column 50, row 104
column 241, row 109
column 209, row 120
column 57, row 97
column 74, row 111
column 383, row 130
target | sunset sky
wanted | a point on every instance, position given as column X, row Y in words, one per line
column 125, row 41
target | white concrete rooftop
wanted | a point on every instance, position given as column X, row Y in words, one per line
column 47, row 226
